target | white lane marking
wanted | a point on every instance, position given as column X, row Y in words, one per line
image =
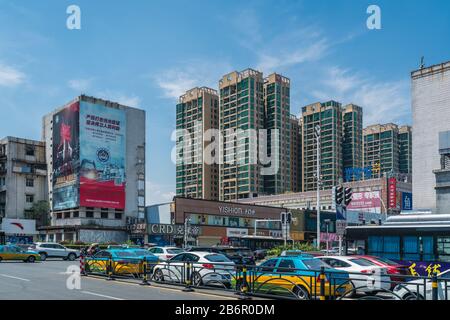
column 12, row 277
column 101, row 295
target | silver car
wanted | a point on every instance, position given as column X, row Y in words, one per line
column 54, row 250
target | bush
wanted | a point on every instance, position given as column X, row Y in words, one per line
column 303, row 246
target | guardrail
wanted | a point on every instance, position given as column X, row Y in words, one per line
column 260, row 281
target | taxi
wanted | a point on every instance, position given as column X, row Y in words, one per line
column 12, row 252
column 298, row 275
column 124, row 262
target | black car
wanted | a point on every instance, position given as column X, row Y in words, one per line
column 239, row 255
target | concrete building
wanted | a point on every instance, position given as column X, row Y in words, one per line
column 277, row 118
column 443, row 175
column 352, row 140
column 296, row 154
column 431, row 115
column 329, row 116
column 95, row 153
column 23, row 172
column 241, row 107
column 197, row 112
column 405, row 149
column 381, row 148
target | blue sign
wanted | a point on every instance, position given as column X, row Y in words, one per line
column 357, row 174
column 407, row 201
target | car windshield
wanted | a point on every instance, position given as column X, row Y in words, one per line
column 362, row 262
column 386, row 261
column 217, row 258
column 315, row 264
column 174, row 250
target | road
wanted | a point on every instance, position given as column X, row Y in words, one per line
column 47, row 281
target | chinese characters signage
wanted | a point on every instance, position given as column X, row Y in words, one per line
column 368, row 201
column 392, row 193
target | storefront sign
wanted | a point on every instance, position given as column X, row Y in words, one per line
column 137, row 228
column 368, row 201
column 236, row 232
column 18, row 226
column 392, row 193
column 171, row 229
column 236, row 211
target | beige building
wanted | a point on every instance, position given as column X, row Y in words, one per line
column 352, row 140
column 197, row 112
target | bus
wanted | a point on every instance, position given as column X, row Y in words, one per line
column 255, row 242
column 421, row 242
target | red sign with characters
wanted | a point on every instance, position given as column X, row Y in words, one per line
column 392, row 193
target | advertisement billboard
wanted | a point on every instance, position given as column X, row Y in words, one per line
column 102, row 156
column 392, row 193
column 407, row 201
column 66, row 153
column 368, row 201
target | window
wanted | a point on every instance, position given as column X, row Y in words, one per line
column 286, row 266
column 29, row 198
column 29, row 150
column 89, row 213
column 59, row 215
column 76, row 214
column 269, row 265
column 443, row 248
column 104, row 214
column 118, row 215
column 29, row 182
column 66, row 215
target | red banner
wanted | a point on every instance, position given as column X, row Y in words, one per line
column 392, row 193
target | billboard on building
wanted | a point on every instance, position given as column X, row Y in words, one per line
column 368, row 201
column 102, row 156
column 407, row 201
column 392, row 193
column 66, row 155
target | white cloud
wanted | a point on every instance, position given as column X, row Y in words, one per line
column 382, row 101
column 156, row 193
column 10, row 77
column 119, row 97
column 195, row 73
column 80, row 85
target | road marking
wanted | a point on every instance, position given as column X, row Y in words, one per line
column 101, row 295
column 12, row 277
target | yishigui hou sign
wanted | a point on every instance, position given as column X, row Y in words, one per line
column 236, row 211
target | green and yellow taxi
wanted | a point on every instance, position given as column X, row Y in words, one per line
column 13, row 252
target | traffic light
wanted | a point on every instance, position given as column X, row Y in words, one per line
column 348, row 196
column 288, row 217
column 283, row 217
column 339, row 195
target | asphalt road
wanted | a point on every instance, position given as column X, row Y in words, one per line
column 48, row 281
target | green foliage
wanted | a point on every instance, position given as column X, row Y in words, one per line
column 303, row 246
column 40, row 211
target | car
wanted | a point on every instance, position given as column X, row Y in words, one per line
column 12, row 252
column 397, row 271
column 362, row 273
column 421, row 289
column 144, row 255
column 239, row 255
column 124, row 262
column 165, row 253
column 54, row 250
column 298, row 275
column 207, row 269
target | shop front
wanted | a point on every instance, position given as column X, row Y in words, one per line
column 218, row 222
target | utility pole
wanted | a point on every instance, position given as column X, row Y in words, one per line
column 187, row 223
column 319, row 182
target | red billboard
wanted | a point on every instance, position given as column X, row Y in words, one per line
column 392, row 193
column 367, row 201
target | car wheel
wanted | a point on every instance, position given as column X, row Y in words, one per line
column 412, row 296
column 43, row 256
column 158, row 275
column 72, row 256
column 31, row 259
column 197, row 279
column 301, row 293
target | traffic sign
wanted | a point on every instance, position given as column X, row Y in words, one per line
column 340, row 227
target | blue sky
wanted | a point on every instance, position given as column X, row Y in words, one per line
column 146, row 53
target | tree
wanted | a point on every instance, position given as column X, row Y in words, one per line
column 39, row 212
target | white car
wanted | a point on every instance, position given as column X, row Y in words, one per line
column 365, row 276
column 207, row 269
column 54, row 250
column 165, row 253
column 421, row 289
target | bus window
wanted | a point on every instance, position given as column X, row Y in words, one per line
column 411, row 248
column 443, row 247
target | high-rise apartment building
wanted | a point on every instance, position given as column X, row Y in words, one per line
column 95, row 152
column 197, row 113
column 277, row 118
column 431, row 116
column 328, row 116
column 23, row 176
column 241, row 107
column 381, row 148
column 405, row 149
column 296, row 154
column 352, row 141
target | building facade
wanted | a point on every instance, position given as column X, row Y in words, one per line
column 95, row 153
column 277, row 118
column 405, row 149
column 296, row 154
column 352, row 140
column 241, row 108
column 431, row 115
column 23, row 176
column 381, row 149
column 328, row 116
column 197, row 114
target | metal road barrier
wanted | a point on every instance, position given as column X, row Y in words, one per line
column 247, row 281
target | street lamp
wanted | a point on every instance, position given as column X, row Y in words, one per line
column 317, row 135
